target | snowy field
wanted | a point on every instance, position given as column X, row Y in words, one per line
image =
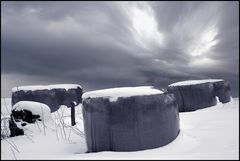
column 210, row 133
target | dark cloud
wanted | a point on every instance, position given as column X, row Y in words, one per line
column 113, row 44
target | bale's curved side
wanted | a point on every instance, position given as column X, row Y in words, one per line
column 131, row 123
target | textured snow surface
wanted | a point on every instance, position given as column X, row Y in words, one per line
column 192, row 82
column 210, row 133
column 35, row 107
column 48, row 87
column 114, row 93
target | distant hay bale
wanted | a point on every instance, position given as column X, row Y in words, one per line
column 52, row 95
column 198, row 94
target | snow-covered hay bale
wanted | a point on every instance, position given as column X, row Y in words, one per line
column 29, row 111
column 197, row 94
column 51, row 95
column 129, row 119
column 25, row 112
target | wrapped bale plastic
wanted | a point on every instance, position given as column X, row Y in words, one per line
column 51, row 95
column 129, row 119
column 197, row 94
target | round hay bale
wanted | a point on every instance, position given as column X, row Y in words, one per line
column 129, row 119
column 51, row 95
column 197, row 94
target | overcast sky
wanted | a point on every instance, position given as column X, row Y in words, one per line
column 114, row 44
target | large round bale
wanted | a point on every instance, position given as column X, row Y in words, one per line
column 192, row 95
column 129, row 119
column 51, row 95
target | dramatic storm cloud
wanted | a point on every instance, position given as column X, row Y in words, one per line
column 112, row 44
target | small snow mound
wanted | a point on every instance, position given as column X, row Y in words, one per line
column 192, row 82
column 114, row 93
column 47, row 87
column 35, row 107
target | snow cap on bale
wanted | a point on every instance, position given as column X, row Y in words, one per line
column 193, row 82
column 114, row 93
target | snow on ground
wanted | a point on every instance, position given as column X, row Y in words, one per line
column 49, row 87
column 192, row 82
column 210, row 133
column 114, row 93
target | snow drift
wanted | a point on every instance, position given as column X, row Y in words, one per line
column 134, row 119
